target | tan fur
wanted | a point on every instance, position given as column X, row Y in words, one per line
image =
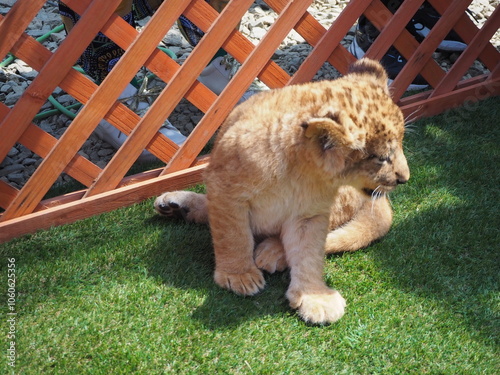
column 295, row 167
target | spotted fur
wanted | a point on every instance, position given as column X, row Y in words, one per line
column 297, row 171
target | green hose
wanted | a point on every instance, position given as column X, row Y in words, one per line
column 10, row 57
column 64, row 110
column 59, row 108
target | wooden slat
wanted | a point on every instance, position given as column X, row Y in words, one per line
column 393, row 29
column 7, row 194
column 121, row 197
column 19, row 118
column 436, row 105
column 237, row 86
column 328, row 42
column 424, row 51
column 466, row 59
column 495, row 73
column 81, row 88
column 159, row 63
column 98, row 105
column 168, row 99
column 466, row 29
column 15, row 22
column 237, row 45
column 405, row 43
column 312, row 31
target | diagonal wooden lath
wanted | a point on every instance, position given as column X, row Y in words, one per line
column 424, row 51
column 15, row 22
column 466, row 59
column 328, row 42
column 237, row 86
column 19, row 118
column 185, row 166
column 87, row 119
column 81, row 88
column 171, row 95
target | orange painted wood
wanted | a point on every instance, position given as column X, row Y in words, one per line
column 405, row 43
column 167, row 100
column 81, row 88
column 466, row 29
column 159, row 63
column 434, row 106
column 421, row 96
column 312, row 31
column 237, row 45
column 393, row 28
column 83, row 208
column 98, row 105
column 328, row 42
column 41, row 143
column 237, row 86
column 466, row 59
column 15, row 22
column 19, row 118
column 7, row 194
column 424, row 51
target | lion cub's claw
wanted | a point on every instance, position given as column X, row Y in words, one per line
column 245, row 284
column 321, row 308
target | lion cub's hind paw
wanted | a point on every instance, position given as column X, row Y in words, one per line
column 270, row 255
column 171, row 209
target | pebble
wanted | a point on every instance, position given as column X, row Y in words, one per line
column 20, row 163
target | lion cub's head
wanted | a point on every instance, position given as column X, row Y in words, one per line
column 360, row 125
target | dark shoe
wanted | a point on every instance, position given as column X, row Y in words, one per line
column 422, row 23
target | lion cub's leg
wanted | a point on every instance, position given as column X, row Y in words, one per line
column 303, row 241
column 233, row 240
column 186, row 205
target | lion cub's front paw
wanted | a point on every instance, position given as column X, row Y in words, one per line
column 246, row 284
column 318, row 308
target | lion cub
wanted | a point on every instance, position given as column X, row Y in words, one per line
column 290, row 167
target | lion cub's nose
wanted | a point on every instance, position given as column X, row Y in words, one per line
column 401, row 181
column 402, row 178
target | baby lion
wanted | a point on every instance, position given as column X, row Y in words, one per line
column 299, row 171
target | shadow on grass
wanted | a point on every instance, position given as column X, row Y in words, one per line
column 444, row 243
column 184, row 259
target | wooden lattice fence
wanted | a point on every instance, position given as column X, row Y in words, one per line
column 25, row 210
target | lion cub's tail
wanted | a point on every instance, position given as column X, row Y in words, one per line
column 371, row 222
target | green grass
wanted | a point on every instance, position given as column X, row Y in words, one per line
column 129, row 292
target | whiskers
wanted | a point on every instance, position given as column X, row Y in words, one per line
column 377, row 194
column 410, row 119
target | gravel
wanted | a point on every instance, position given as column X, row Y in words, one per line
column 20, row 162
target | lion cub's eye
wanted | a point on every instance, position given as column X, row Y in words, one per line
column 380, row 159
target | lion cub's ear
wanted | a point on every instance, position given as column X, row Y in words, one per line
column 372, row 69
column 335, row 129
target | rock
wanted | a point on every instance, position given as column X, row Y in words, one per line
column 10, row 169
column 13, row 152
